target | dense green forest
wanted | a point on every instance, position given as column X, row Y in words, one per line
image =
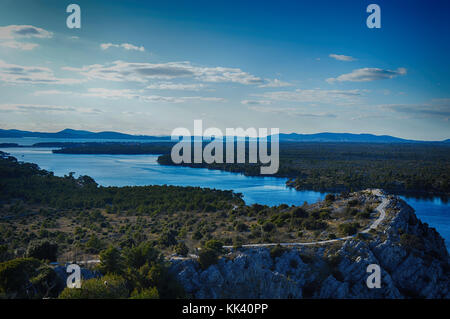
column 416, row 168
column 111, row 148
column 36, row 186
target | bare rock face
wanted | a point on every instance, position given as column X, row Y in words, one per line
column 249, row 275
column 413, row 259
column 414, row 254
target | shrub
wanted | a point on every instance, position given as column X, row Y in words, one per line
column 207, row 257
column 181, row 249
column 107, row 287
column 363, row 215
column 241, row 227
column 277, row 251
column 351, row 211
column 299, row 212
column 43, row 251
column 15, row 276
column 411, row 242
column 138, row 256
column 312, row 224
column 330, row 197
column 361, row 236
column 4, row 253
column 333, row 260
column 197, row 235
column 315, row 214
column 167, row 285
column 353, row 202
column 46, row 283
column 237, row 242
column 324, row 215
column 256, row 233
column 150, row 293
column 111, row 261
column 349, row 228
column 94, row 245
column 168, row 238
column 268, row 227
column 293, row 263
column 215, row 245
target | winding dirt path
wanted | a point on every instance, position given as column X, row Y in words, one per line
column 374, row 225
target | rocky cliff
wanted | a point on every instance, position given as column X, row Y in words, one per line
column 413, row 259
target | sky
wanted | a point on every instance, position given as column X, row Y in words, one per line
column 148, row 67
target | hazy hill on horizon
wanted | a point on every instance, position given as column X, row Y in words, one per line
column 291, row 137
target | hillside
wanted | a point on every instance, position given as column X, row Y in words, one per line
column 413, row 259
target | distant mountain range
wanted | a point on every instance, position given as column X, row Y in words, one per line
column 342, row 137
column 292, row 137
column 77, row 134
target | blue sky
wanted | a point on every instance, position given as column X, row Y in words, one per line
column 147, row 67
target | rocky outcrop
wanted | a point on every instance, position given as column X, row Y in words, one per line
column 413, row 259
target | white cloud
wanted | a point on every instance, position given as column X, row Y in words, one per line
column 172, row 99
column 39, row 108
column 436, row 108
column 112, row 94
column 315, row 96
column 9, row 34
column 26, row 46
column 23, row 31
column 441, row 101
column 274, row 84
column 13, row 73
column 290, row 112
column 126, row 46
column 358, row 117
column 51, row 92
column 341, row 57
column 368, row 74
column 255, row 102
column 142, row 72
column 128, row 94
column 176, row 86
column 141, row 96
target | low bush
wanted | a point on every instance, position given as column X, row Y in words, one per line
column 107, row 287
column 277, row 251
column 349, row 228
column 207, row 257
